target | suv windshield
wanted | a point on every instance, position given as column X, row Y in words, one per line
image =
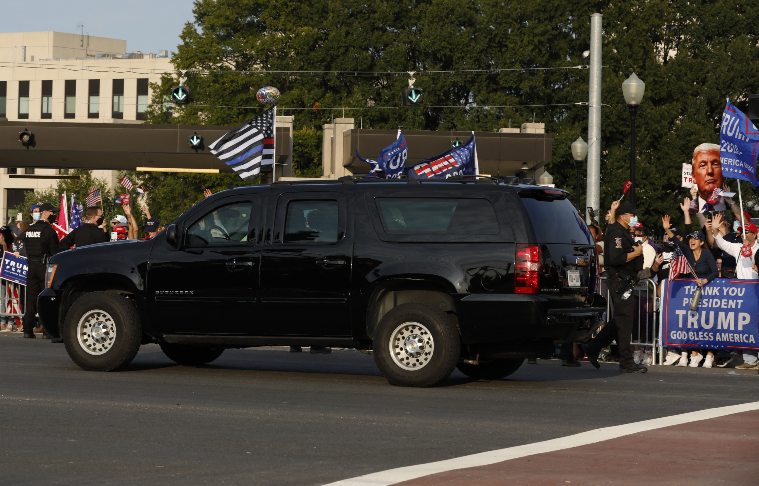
column 556, row 221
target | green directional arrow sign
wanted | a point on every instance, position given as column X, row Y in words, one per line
column 180, row 95
column 415, row 95
column 195, row 140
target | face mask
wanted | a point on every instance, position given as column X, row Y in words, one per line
column 99, row 221
column 51, row 218
column 639, row 239
column 36, row 216
column 633, row 221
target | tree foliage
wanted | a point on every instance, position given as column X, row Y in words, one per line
column 692, row 55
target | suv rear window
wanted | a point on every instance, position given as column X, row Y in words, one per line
column 437, row 216
column 556, row 221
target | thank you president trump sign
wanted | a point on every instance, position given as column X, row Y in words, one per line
column 727, row 317
column 13, row 268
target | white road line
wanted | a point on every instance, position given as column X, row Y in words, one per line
column 393, row 476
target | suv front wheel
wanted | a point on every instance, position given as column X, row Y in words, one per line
column 415, row 345
column 102, row 331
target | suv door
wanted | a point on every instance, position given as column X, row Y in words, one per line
column 210, row 284
column 306, row 265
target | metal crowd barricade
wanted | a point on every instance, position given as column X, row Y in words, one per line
column 646, row 307
column 10, row 304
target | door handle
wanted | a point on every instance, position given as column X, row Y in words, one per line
column 326, row 262
column 233, row 265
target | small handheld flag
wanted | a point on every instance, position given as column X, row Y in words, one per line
column 126, row 183
column 93, row 198
column 627, row 187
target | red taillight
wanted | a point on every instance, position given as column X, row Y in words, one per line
column 527, row 273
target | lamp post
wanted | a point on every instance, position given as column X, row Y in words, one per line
column 633, row 89
column 579, row 152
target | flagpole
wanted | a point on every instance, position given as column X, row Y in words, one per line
column 476, row 161
column 740, row 199
column 274, row 155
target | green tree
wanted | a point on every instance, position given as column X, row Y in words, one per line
column 692, row 55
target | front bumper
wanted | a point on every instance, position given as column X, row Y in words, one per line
column 48, row 308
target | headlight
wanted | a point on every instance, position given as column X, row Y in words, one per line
column 49, row 274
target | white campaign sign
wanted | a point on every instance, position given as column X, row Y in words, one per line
column 687, row 179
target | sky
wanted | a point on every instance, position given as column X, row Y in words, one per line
column 146, row 25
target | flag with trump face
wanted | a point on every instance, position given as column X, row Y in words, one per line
column 457, row 161
column 248, row 147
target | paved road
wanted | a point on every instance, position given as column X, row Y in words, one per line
column 263, row 416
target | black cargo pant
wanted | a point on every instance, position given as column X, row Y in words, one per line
column 619, row 328
column 35, row 282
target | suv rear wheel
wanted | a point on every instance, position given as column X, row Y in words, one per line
column 491, row 370
column 415, row 345
column 190, row 355
column 102, row 331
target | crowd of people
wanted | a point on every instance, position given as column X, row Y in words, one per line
column 38, row 241
column 724, row 245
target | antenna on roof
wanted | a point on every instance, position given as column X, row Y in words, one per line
column 80, row 26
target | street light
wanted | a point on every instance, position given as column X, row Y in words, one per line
column 633, row 89
column 579, row 152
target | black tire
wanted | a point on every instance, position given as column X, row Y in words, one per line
column 439, row 349
column 492, row 370
column 190, row 355
column 120, row 340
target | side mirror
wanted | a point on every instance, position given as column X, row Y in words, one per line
column 171, row 236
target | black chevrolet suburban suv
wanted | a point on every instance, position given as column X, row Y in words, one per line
column 429, row 276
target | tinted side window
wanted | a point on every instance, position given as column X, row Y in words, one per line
column 224, row 225
column 311, row 222
column 556, row 221
column 438, row 216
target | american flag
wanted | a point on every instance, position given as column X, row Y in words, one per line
column 126, row 183
column 93, row 198
column 76, row 214
column 246, row 148
column 678, row 265
column 455, row 161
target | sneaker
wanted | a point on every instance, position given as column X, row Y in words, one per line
column 637, row 356
column 708, row 362
column 647, row 358
column 592, row 358
column 38, row 330
column 683, row 360
column 671, row 359
column 695, row 360
column 724, row 363
column 746, row 366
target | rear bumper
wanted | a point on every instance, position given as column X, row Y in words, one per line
column 48, row 306
column 510, row 317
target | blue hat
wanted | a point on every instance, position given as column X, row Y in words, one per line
column 34, row 206
column 697, row 235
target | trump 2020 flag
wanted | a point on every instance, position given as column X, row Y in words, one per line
column 391, row 160
column 739, row 143
column 246, row 148
column 457, row 161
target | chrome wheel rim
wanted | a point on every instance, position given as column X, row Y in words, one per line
column 96, row 332
column 411, row 346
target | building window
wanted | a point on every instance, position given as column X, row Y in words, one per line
column 94, row 99
column 70, row 102
column 12, row 170
column 29, row 171
column 3, row 96
column 142, row 98
column 64, row 171
column 15, row 198
column 23, row 100
column 118, row 98
column 47, row 100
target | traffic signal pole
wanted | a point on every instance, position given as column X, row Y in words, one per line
column 594, row 118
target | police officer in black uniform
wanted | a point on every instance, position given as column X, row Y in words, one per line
column 88, row 233
column 41, row 243
column 623, row 259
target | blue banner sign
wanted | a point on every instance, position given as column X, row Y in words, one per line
column 13, row 268
column 739, row 145
column 727, row 317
